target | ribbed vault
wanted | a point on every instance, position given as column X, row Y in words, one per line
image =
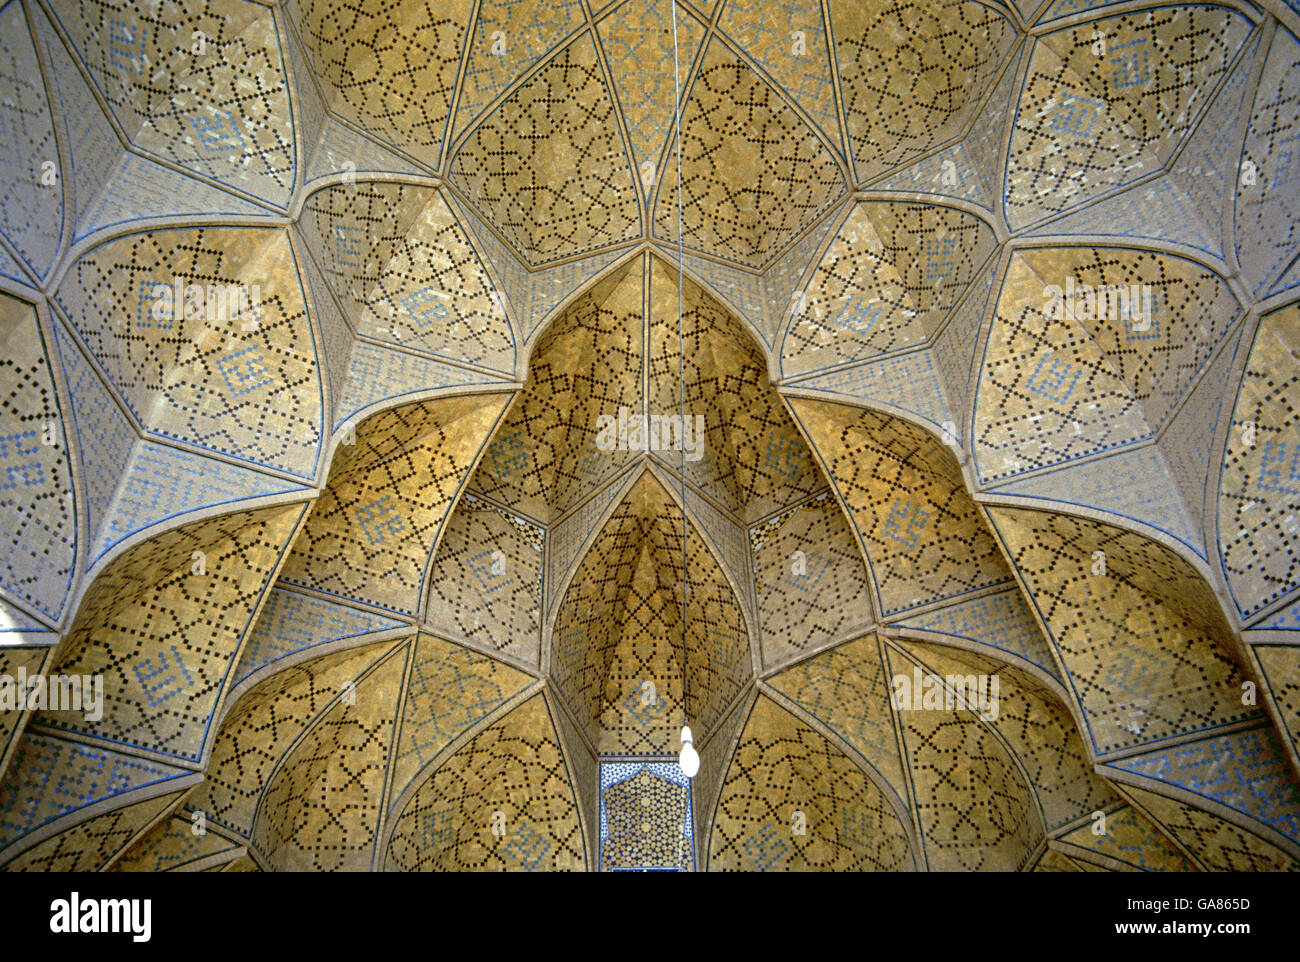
column 326, row 333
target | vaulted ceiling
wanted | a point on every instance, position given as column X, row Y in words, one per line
column 366, row 585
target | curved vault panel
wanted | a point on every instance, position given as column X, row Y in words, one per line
column 632, row 36
column 1063, row 378
column 1143, row 641
column 320, row 809
column 172, row 846
column 974, row 803
column 544, row 459
column 909, row 74
column 259, row 728
column 1087, row 123
column 210, row 370
column 485, row 585
column 38, row 557
column 754, row 175
column 1036, row 728
column 514, row 767
column 547, row 167
column 1265, row 212
column 886, row 283
column 923, row 538
column 1132, row 842
column 811, row 584
column 405, row 272
column 372, row 532
column 848, row 689
column 592, row 362
column 620, row 626
column 1259, row 490
column 369, row 62
column 753, row 460
column 148, row 626
column 30, row 219
column 77, row 805
column 218, row 108
column 782, row 768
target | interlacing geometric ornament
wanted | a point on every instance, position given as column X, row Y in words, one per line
column 404, row 433
column 618, row 637
column 889, row 277
column 645, row 817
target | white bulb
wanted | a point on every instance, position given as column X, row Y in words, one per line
column 689, row 759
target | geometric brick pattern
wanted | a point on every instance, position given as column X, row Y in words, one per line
column 923, row 536
column 170, row 846
column 544, row 457
column 793, row 802
column 264, row 724
column 754, row 461
column 1046, row 392
column 754, row 175
column 404, row 270
column 50, row 778
column 1280, row 667
column 371, row 532
column 846, row 689
column 89, row 846
column 1219, row 845
column 789, row 43
column 888, row 279
column 449, row 689
column 633, row 35
column 1143, row 655
column 508, row 40
column 1131, row 842
column 290, row 623
column 372, row 60
column 218, row 107
column 210, row 370
column 1001, row 620
column 486, row 582
column 1265, row 210
column 1095, row 112
column 1243, row 770
column 39, row 545
column 810, row 580
column 547, row 167
column 503, row 802
column 409, row 194
column 29, row 216
column 1037, row 728
column 975, row 806
column 619, row 627
column 320, row 810
column 939, row 57
column 162, row 624
column 1259, row 491
column 1054, row 389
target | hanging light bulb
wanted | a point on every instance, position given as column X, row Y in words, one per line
column 689, row 759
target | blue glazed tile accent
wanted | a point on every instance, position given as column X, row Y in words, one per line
column 161, row 482
column 1134, row 484
column 1245, row 770
column 1288, row 619
column 1002, row 620
column 909, row 381
column 51, row 777
column 291, row 622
